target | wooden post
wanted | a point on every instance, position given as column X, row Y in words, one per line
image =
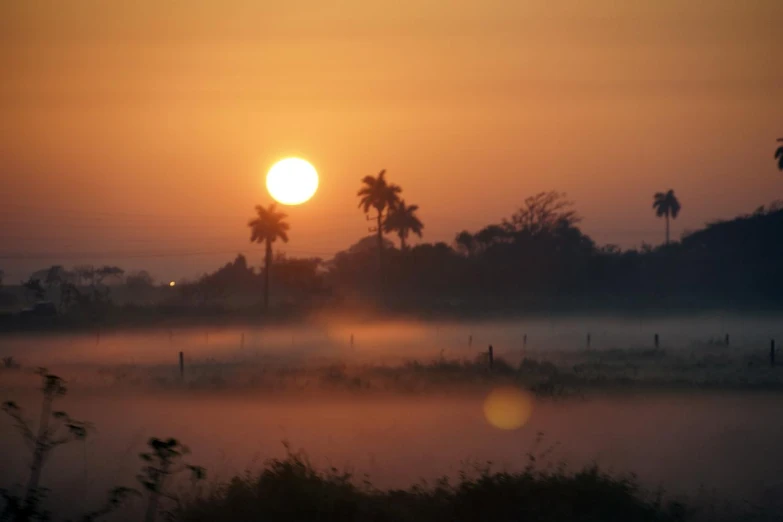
column 524, row 340
column 242, row 341
column 588, row 340
column 727, row 339
column 657, row 341
column 491, row 357
column 772, row 352
column 181, row 365
column 470, row 341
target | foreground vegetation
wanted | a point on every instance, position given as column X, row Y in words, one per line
column 292, row 490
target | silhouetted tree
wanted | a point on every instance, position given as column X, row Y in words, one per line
column 465, row 243
column 779, row 155
column 546, row 211
column 34, row 287
column 666, row 204
column 164, row 459
column 55, row 428
column 380, row 195
column 85, row 274
column 106, row 271
column 403, row 220
column 139, row 280
column 55, row 276
column 267, row 227
column 490, row 235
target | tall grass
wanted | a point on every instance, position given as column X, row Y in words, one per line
column 291, row 489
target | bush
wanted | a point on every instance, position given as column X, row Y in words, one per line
column 292, row 490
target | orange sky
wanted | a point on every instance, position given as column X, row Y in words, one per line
column 145, row 128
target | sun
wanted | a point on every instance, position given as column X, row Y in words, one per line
column 292, row 181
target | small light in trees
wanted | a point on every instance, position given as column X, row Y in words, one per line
column 173, row 283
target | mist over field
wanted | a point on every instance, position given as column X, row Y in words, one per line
column 406, row 400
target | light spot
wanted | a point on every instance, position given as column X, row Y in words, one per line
column 508, row 408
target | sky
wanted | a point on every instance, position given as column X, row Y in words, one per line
column 139, row 133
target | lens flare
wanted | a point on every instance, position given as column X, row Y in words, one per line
column 508, row 408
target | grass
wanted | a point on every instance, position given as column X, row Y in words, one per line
column 291, row 489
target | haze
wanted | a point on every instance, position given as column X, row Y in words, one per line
column 141, row 128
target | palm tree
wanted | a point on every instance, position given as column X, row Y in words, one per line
column 267, row 227
column 779, row 155
column 402, row 219
column 666, row 204
column 377, row 194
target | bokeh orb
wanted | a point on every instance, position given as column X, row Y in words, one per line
column 508, row 407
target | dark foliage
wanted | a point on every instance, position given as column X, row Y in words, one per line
column 292, row 490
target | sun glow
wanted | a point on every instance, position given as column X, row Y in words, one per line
column 292, row 181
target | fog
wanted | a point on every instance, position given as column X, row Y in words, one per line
column 363, row 407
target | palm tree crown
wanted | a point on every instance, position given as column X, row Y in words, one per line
column 267, row 227
column 665, row 205
column 403, row 220
column 378, row 194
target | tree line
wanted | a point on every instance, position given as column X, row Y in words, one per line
column 536, row 257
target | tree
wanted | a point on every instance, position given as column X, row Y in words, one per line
column 54, row 429
column 267, row 227
column 34, row 286
column 465, row 242
column 106, row 272
column 779, row 155
column 403, row 220
column 139, row 280
column 666, row 204
column 378, row 194
column 164, row 459
column 85, row 274
column 544, row 212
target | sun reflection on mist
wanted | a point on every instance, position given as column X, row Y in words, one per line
column 508, row 408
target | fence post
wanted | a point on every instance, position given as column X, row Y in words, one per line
column 181, row 365
column 588, row 340
column 470, row 341
column 772, row 352
column 491, row 357
column 657, row 341
column 727, row 339
column 242, row 341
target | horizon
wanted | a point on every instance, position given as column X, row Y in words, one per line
column 501, row 101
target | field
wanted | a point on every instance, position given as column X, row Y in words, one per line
column 405, row 402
